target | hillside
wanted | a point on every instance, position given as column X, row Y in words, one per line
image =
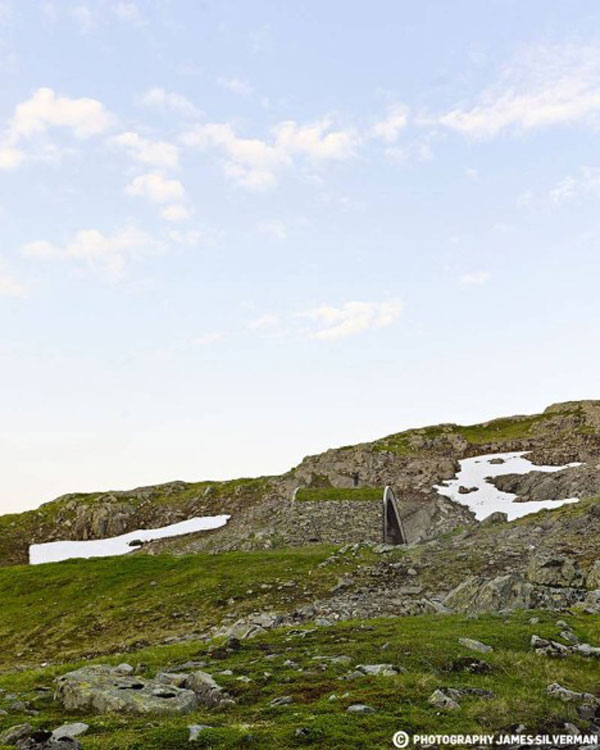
column 411, row 461
column 259, row 634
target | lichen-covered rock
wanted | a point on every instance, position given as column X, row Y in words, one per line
column 474, row 645
column 592, row 579
column 549, row 648
column 207, row 691
column 554, row 570
column 378, row 670
column 12, row 735
column 477, row 594
column 101, row 689
column 440, row 700
column 569, row 696
column 42, row 739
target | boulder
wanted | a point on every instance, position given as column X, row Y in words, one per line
column 360, row 708
column 494, row 518
column 474, row 645
column 283, row 700
column 439, row 699
column 70, row 730
column 549, row 648
column 592, row 579
column 554, row 570
column 12, row 735
column 378, row 670
column 207, row 691
column 477, row 594
column 569, row 696
column 42, row 739
column 196, row 730
column 102, row 689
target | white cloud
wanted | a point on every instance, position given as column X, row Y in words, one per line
column 351, row 318
column 236, row 85
column 168, row 100
column 544, row 85
column 155, row 153
column 587, row 182
column 10, row 287
column 10, row 157
column 207, row 338
column 254, row 164
column 275, row 229
column 175, row 212
column 476, row 278
column 389, row 128
column 42, row 249
column 264, row 321
column 250, row 162
column 85, row 117
column 98, row 252
column 316, row 141
column 156, row 188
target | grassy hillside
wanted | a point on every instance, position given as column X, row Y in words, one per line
column 339, row 493
column 295, row 663
column 80, row 607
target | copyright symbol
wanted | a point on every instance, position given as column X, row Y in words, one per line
column 401, row 739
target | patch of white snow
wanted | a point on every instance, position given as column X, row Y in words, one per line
column 487, row 498
column 119, row 545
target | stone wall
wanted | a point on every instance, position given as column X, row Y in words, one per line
column 335, row 521
column 280, row 521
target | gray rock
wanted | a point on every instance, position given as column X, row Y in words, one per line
column 549, row 648
column 196, row 730
column 124, row 669
column 70, row 730
column 360, row 708
column 283, row 700
column 477, row 594
column 568, row 696
column 206, row 690
column 341, row 660
column 12, row 735
column 101, row 689
column 495, row 518
column 440, row 700
column 172, row 678
column 380, row 670
column 554, row 570
column 474, row 645
column 592, row 579
column 41, row 739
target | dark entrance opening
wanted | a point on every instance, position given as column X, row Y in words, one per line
column 393, row 532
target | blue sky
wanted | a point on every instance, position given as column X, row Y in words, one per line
column 234, row 233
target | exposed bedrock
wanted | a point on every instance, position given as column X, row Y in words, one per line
column 576, row 481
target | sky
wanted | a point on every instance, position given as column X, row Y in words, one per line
column 237, row 233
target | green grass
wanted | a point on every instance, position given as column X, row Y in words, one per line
column 339, row 493
column 87, row 607
column 497, row 430
column 424, row 646
column 18, row 531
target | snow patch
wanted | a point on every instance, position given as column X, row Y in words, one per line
column 119, row 545
column 487, row 498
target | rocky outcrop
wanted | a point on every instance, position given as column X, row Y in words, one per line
column 476, row 594
column 576, row 481
column 105, row 689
